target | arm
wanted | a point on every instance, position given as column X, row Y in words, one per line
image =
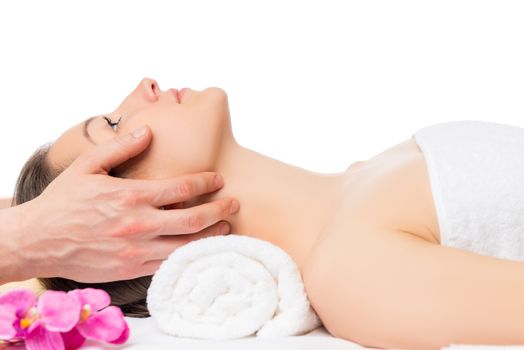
column 400, row 291
column 5, row 203
column 91, row 227
column 10, row 263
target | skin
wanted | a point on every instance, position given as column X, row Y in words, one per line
column 196, row 135
column 91, row 227
column 366, row 240
column 5, row 203
column 187, row 137
column 379, row 276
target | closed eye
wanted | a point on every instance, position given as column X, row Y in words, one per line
column 113, row 125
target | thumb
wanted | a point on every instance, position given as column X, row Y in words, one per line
column 101, row 159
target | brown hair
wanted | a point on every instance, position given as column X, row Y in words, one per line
column 129, row 295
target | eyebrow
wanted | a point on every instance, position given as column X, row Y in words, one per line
column 85, row 126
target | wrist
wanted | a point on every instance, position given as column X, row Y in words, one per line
column 15, row 266
column 11, row 265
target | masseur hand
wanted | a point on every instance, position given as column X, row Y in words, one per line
column 91, row 227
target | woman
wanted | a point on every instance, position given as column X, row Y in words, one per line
column 367, row 241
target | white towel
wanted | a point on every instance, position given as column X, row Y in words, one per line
column 226, row 287
column 476, row 171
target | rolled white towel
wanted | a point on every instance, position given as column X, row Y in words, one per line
column 226, row 287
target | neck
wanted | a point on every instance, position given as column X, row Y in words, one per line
column 278, row 201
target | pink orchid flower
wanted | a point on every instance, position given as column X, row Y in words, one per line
column 15, row 306
column 60, row 320
column 98, row 320
column 38, row 322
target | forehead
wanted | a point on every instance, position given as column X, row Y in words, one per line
column 68, row 146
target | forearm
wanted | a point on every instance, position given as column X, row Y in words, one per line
column 12, row 267
column 5, row 203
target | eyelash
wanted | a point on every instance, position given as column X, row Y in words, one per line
column 111, row 123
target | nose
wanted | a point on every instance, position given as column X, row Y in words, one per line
column 150, row 88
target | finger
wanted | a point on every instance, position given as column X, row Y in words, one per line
column 165, row 245
column 181, row 188
column 101, row 159
column 197, row 218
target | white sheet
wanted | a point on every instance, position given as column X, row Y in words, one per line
column 145, row 335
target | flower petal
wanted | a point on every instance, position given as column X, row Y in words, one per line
column 41, row 339
column 7, row 320
column 106, row 325
column 21, row 298
column 123, row 337
column 34, row 325
column 59, row 311
column 97, row 298
column 72, row 339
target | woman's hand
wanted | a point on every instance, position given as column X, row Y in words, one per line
column 91, row 227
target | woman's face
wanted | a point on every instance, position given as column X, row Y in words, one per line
column 187, row 134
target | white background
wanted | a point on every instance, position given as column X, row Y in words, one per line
column 317, row 84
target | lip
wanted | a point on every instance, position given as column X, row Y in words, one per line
column 181, row 93
column 175, row 93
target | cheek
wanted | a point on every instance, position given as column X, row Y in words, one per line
column 190, row 148
column 184, row 141
column 186, row 147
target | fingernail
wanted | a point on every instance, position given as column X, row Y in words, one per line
column 138, row 133
column 234, row 206
column 218, row 180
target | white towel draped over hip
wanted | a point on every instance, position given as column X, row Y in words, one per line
column 226, row 287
